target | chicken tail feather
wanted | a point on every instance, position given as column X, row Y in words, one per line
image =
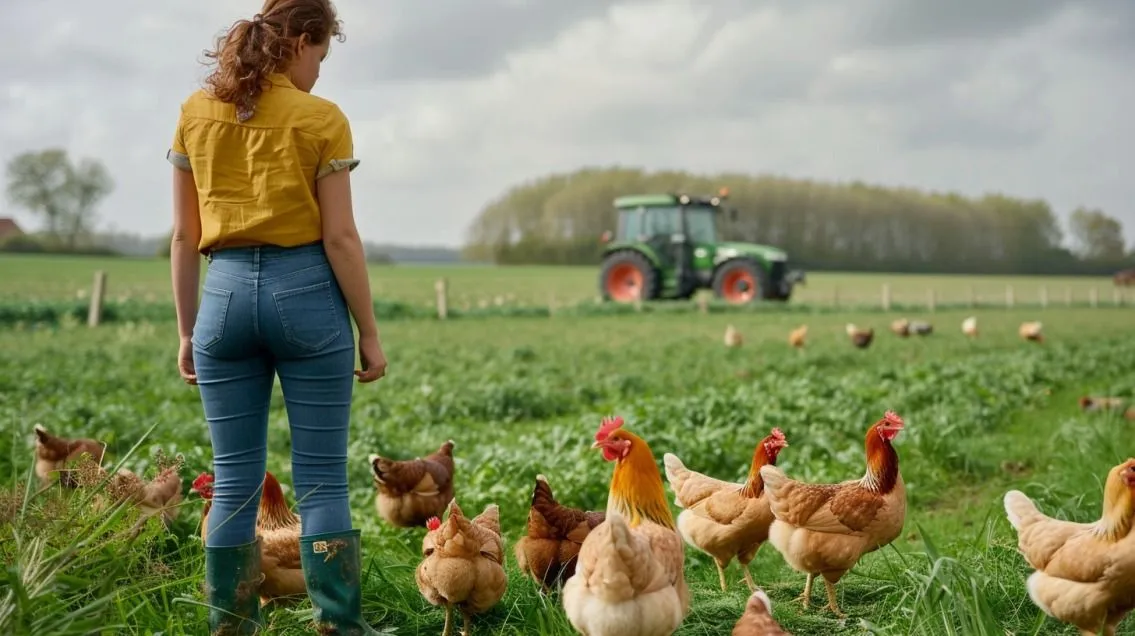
column 1020, row 510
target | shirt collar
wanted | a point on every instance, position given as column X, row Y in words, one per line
column 279, row 79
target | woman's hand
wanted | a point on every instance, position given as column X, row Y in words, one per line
column 185, row 361
column 371, row 359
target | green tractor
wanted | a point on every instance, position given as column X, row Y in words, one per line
column 667, row 247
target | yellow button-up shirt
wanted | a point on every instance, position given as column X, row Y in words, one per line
column 256, row 179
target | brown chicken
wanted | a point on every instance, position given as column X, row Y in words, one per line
column 901, row 327
column 548, row 552
column 1085, row 572
column 412, row 491
column 629, row 580
column 52, row 454
column 825, row 528
column 463, row 564
column 721, row 518
column 1031, row 331
column 732, row 337
column 277, row 528
column 1094, row 403
column 861, row 338
column 757, row 619
column 797, row 336
column 161, row 495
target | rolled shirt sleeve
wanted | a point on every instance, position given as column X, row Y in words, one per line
column 177, row 154
column 338, row 147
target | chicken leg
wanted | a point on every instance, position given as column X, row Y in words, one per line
column 749, row 579
column 468, row 623
column 832, row 605
column 720, row 573
column 448, row 630
column 806, row 597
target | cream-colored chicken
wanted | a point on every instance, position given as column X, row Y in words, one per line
column 52, row 453
column 900, row 327
column 732, row 337
column 1031, row 331
column 969, row 326
column 463, row 564
column 630, row 577
column 757, row 619
column 413, row 490
column 798, row 336
column 721, row 518
column 825, row 528
column 1085, row 572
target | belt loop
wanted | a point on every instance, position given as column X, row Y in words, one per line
column 209, row 256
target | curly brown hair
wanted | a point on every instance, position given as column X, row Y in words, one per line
column 253, row 49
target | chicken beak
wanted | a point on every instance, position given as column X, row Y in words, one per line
column 597, row 445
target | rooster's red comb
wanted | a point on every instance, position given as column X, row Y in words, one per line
column 777, row 434
column 893, row 419
column 608, row 426
column 433, row 523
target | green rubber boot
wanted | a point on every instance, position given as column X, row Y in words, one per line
column 331, row 568
column 232, row 589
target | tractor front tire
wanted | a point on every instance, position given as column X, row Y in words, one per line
column 741, row 281
column 628, row 276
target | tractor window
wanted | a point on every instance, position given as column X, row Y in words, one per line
column 663, row 221
column 701, row 223
column 630, row 224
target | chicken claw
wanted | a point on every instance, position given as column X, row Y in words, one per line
column 832, row 605
column 749, row 579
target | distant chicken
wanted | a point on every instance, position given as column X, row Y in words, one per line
column 411, row 491
column 1094, row 403
column 797, row 336
column 549, row 550
column 721, row 518
column 1031, row 331
column 1084, row 572
column 921, row 328
column 969, row 326
column 861, row 338
column 277, row 528
column 52, row 454
column 757, row 619
column 732, row 337
column 161, row 495
column 463, row 564
column 630, row 578
column 901, row 327
column 825, row 528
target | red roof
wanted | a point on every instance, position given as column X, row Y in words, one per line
column 8, row 228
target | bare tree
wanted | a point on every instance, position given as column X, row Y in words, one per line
column 66, row 195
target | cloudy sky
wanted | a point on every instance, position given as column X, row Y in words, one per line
column 453, row 101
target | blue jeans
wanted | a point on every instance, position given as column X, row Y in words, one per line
column 268, row 311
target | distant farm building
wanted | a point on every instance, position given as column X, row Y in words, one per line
column 8, row 229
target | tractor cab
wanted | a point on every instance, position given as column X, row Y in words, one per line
column 669, row 246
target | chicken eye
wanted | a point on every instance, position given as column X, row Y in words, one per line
column 429, row 552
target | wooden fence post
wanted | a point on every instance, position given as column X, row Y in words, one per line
column 1043, row 296
column 98, row 292
column 835, row 296
column 931, row 300
column 1009, row 296
column 1116, row 296
column 441, row 288
column 1093, row 297
column 703, row 303
column 1068, row 296
column 972, row 296
column 886, row 297
column 551, row 305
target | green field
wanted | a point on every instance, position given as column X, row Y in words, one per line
column 524, row 397
column 54, row 278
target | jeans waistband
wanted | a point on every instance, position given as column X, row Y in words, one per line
column 264, row 252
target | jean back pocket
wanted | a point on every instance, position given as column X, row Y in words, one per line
column 210, row 325
column 308, row 316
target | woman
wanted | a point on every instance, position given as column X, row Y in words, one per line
column 262, row 188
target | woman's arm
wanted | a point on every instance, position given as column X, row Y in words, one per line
column 185, row 260
column 345, row 249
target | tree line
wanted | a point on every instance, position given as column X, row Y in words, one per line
column 558, row 219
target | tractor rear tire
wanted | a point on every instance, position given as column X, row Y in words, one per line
column 741, row 281
column 628, row 276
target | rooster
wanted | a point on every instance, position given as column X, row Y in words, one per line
column 629, row 580
column 52, row 454
column 825, row 528
column 797, row 336
column 463, row 564
column 412, row 491
column 548, row 552
column 861, row 338
column 969, row 326
column 277, row 528
column 757, row 619
column 721, row 518
column 1084, row 572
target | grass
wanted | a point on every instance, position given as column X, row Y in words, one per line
column 132, row 279
column 982, row 416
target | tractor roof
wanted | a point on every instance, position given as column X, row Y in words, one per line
column 649, row 200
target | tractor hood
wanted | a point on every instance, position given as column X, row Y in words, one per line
column 768, row 254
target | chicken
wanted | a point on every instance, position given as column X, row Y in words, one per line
column 549, row 551
column 1031, row 331
column 52, row 454
column 732, row 337
column 969, row 326
column 160, row 496
column 921, row 328
column 757, row 619
column 901, row 327
column 278, row 530
column 825, row 528
column 797, row 336
column 860, row 337
column 412, row 491
column 463, row 564
column 1084, row 572
column 1095, row 403
column 629, row 580
column 721, row 518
